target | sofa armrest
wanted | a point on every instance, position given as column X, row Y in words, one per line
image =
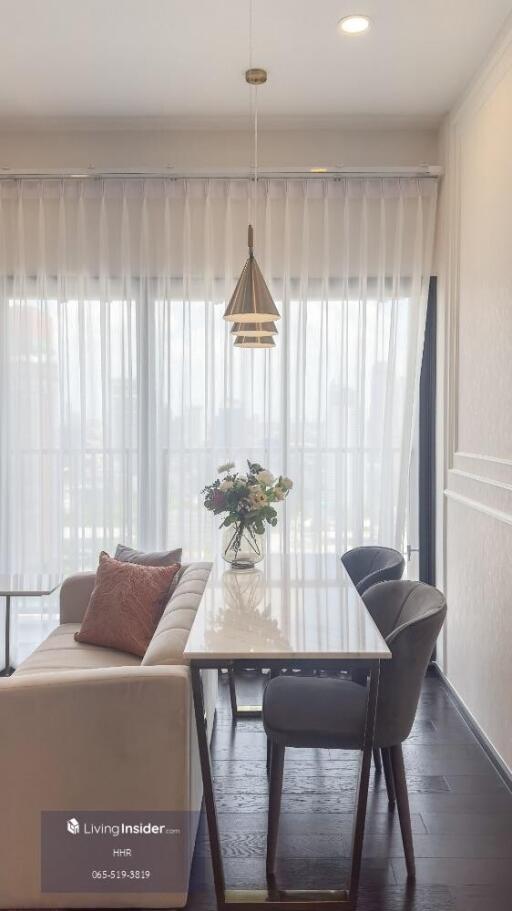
column 75, row 593
column 109, row 733
column 106, row 739
column 170, row 637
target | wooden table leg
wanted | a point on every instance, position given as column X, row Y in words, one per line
column 232, row 692
column 362, row 789
column 209, row 796
column 240, row 711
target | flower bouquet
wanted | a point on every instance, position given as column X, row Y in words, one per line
column 248, row 502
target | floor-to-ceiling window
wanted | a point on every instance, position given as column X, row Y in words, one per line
column 120, row 388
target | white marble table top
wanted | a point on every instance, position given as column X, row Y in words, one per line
column 28, row 584
column 303, row 607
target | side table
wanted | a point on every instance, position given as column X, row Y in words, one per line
column 22, row 585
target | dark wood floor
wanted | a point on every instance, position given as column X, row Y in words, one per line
column 461, row 816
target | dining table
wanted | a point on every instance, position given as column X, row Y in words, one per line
column 298, row 613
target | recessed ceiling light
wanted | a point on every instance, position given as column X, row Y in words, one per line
column 354, row 25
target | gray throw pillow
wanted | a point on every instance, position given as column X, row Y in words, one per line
column 163, row 558
column 158, row 558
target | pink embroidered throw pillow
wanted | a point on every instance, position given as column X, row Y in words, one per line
column 126, row 605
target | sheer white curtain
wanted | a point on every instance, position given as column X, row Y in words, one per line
column 120, row 389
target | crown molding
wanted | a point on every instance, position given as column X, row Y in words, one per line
column 274, row 122
column 496, row 64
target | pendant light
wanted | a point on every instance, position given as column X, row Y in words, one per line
column 254, row 329
column 251, row 303
column 263, row 341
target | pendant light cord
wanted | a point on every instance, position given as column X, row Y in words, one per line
column 254, row 112
column 251, row 31
column 255, row 181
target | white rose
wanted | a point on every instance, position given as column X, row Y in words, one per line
column 286, row 483
column 265, row 477
column 257, row 498
column 226, row 485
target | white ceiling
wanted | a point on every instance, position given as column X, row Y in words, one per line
column 183, row 60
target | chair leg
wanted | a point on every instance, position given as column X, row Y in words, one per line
column 273, row 674
column 388, row 775
column 274, row 804
column 377, row 761
column 402, row 799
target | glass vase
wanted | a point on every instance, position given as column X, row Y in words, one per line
column 242, row 547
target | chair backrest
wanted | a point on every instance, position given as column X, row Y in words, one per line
column 410, row 616
column 368, row 565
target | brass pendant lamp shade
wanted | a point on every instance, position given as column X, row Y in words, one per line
column 263, row 341
column 251, row 301
column 254, row 329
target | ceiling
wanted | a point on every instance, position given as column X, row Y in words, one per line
column 182, row 61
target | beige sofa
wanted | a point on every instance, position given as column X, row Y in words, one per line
column 88, row 728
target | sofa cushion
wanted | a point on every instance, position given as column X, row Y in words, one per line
column 126, row 605
column 60, row 652
column 171, row 634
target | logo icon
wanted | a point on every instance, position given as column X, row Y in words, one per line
column 73, row 826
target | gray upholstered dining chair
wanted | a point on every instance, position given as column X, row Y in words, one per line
column 330, row 712
column 367, row 566
column 371, row 564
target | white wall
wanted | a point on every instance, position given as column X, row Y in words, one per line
column 191, row 150
column 475, row 406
